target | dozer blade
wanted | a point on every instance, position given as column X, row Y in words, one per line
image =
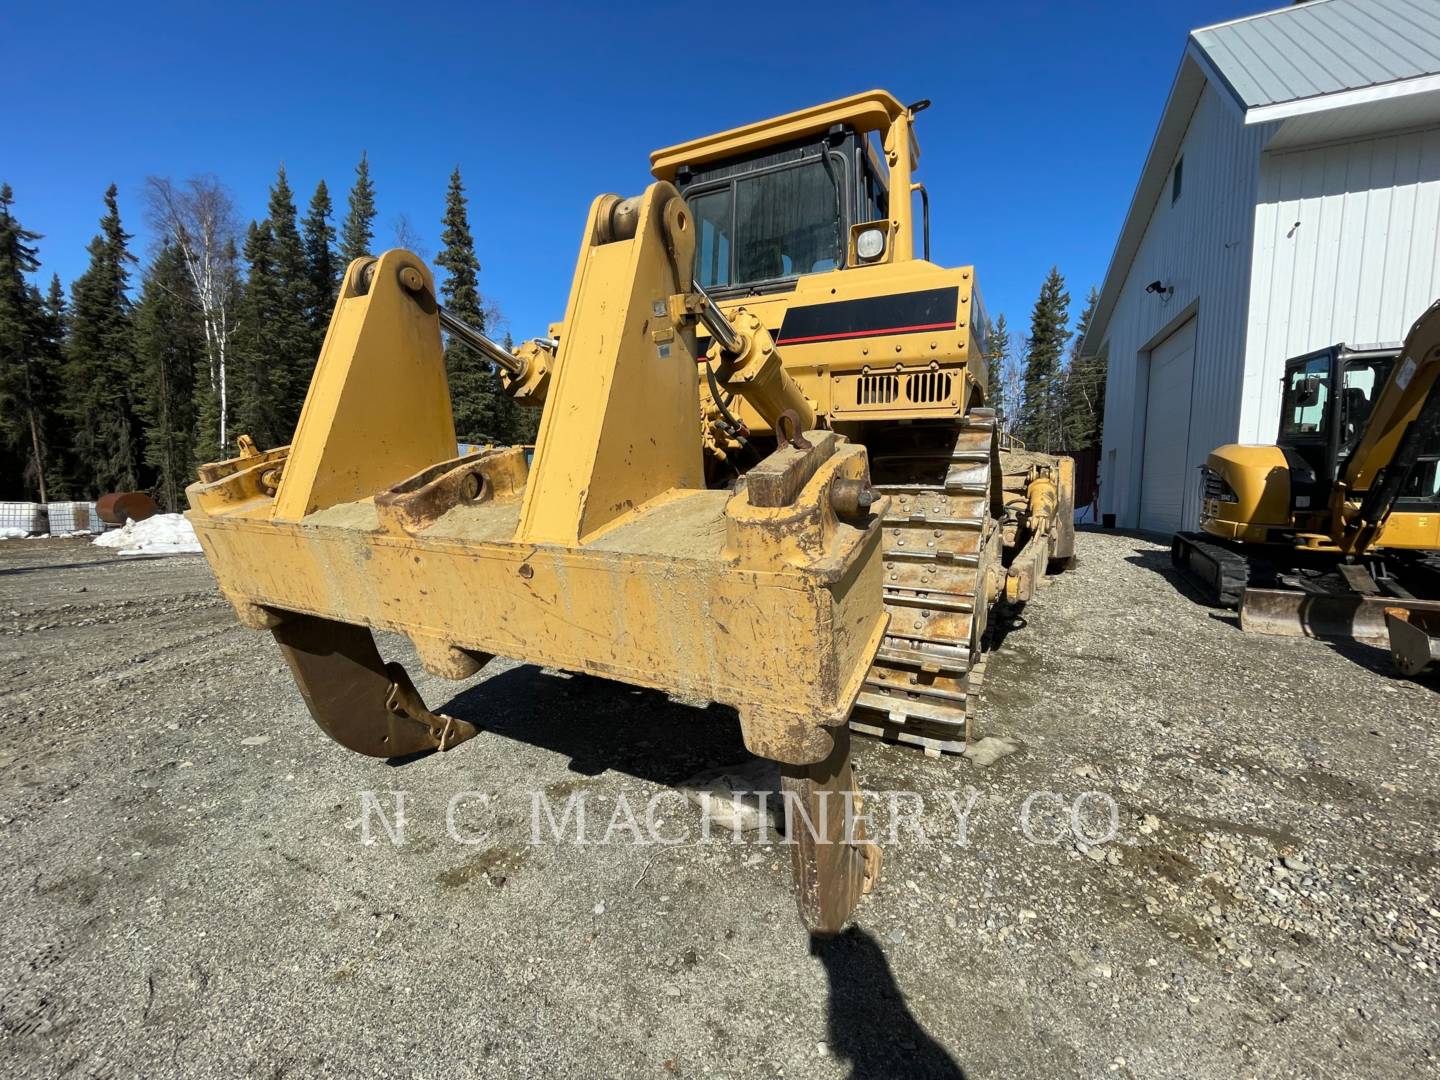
column 1414, row 637
column 1290, row 613
column 834, row 863
column 361, row 702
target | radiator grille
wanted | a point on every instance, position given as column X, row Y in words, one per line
column 1213, row 486
column 876, row 389
column 925, row 387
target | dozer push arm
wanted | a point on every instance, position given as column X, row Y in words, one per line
column 1405, row 417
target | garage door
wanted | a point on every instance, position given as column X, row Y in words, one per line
column 1165, row 483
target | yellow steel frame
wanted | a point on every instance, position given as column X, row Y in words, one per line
column 608, row 556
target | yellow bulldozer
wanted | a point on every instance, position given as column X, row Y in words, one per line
column 765, row 475
column 1334, row 531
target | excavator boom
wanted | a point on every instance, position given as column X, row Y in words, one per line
column 1404, row 419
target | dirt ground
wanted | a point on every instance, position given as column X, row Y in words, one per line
column 187, row 891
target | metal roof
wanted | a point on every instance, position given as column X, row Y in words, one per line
column 1321, row 57
column 1323, row 47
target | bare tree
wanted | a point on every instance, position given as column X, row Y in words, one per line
column 408, row 237
column 1012, row 379
column 199, row 218
column 496, row 323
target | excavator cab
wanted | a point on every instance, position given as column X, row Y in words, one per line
column 1325, row 406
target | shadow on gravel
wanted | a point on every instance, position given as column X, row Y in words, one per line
column 1374, row 657
column 602, row 725
column 870, row 1025
column 1159, row 562
column 112, row 560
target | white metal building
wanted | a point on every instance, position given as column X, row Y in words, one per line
column 1290, row 200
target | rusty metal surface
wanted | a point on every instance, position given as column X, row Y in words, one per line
column 119, row 507
column 361, row 702
column 832, row 860
column 1290, row 613
column 419, row 501
column 1414, row 638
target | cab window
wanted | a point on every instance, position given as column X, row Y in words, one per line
column 772, row 224
column 1307, row 398
column 712, row 251
column 1423, row 483
column 788, row 223
column 1362, row 382
column 874, row 196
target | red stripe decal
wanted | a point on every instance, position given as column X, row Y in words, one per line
column 867, row 333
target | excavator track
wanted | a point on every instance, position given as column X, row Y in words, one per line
column 942, row 544
column 1222, row 572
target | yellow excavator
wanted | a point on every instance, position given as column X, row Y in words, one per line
column 765, row 475
column 1339, row 520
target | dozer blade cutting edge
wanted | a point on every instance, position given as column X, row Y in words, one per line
column 1350, row 617
column 1414, row 637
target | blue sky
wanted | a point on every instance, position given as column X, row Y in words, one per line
column 1043, row 111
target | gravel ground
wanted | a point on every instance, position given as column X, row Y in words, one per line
column 188, row 894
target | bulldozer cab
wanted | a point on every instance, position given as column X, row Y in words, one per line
column 804, row 193
column 767, row 218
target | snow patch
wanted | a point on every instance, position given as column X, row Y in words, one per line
column 163, row 534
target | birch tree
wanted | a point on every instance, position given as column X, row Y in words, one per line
column 198, row 217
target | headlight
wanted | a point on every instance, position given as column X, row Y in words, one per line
column 870, row 244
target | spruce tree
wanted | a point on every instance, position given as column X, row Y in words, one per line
column 1039, row 422
column 359, row 228
column 56, row 319
column 475, row 394
column 1083, row 406
column 99, row 365
column 522, row 422
column 24, row 385
column 997, row 357
column 291, row 333
column 323, row 275
column 170, row 344
column 262, row 373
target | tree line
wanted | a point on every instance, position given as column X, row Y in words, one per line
column 1049, row 401
column 105, row 390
